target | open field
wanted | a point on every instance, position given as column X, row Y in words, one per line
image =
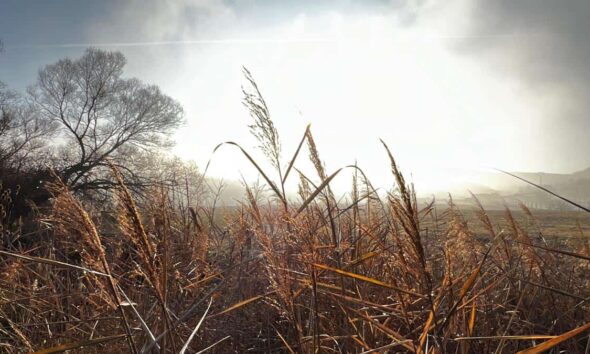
column 562, row 225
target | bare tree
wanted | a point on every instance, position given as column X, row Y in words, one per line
column 101, row 116
column 22, row 132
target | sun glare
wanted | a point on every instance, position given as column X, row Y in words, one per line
column 357, row 80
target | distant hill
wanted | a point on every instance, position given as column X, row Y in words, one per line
column 584, row 174
column 494, row 189
column 505, row 183
column 574, row 186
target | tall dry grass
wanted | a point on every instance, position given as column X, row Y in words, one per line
column 367, row 274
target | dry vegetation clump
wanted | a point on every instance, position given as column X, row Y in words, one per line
column 366, row 274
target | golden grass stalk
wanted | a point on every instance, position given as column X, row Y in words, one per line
column 70, row 216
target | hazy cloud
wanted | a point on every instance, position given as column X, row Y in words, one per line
column 156, row 21
column 545, row 44
column 550, row 43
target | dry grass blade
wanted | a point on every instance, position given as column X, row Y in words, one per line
column 144, row 325
column 53, row 262
column 184, row 316
column 212, row 345
column 285, row 342
column 555, row 341
column 554, row 290
column 472, row 318
column 406, row 343
column 523, row 337
column 317, row 191
column 85, row 343
column 260, row 170
column 190, row 338
column 361, row 259
column 367, row 279
column 353, row 205
column 296, row 153
column 240, row 304
column 383, row 348
column 566, row 253
column 353, row 299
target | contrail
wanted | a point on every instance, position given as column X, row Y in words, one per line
column 168, row 43
column 255, row 41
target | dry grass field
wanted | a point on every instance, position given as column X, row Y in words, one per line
column 554, row 225
column 299, row 277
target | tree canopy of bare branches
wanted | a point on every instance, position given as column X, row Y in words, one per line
column 22, row 131
column 100, row 116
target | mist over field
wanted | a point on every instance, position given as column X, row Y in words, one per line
column 294, row 177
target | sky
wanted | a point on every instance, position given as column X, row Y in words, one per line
column 454, row 87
